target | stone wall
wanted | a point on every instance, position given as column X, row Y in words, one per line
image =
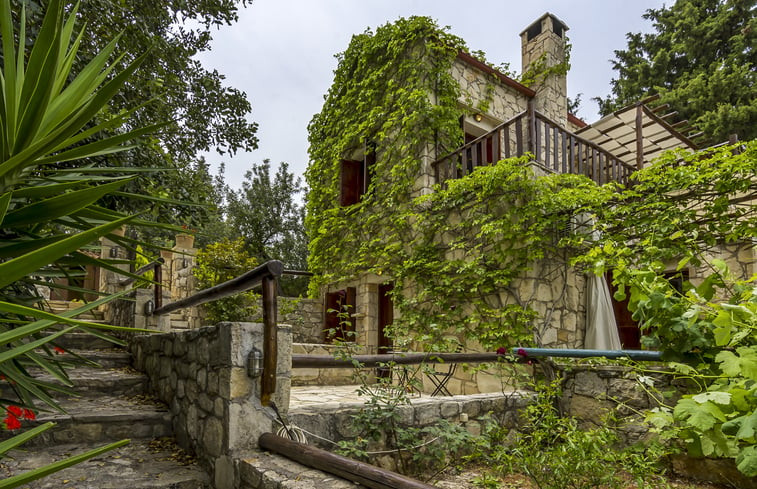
column 591, row 391
column 482, row 91
column 202, row 375
column 468, row 411
column 305, row 316
column 320, row 376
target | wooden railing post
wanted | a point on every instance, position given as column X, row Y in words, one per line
column 531, row 128
column 270, row 344
column 158, row 279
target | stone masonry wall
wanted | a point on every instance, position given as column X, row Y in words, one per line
column 202, row 375
column 482, row 91
column 320, row 376
column 305, row 316
column 468, row 411
column 591, row 391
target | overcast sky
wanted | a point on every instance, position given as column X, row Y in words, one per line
column 281, row 53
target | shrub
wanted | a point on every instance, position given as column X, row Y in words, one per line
column 217, row 263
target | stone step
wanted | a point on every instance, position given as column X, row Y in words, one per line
column 107, row 358
column 78, row 340
column 139, row 465
column 104, row 419
column 94, row 382
column 58, row 307
column 265, row 470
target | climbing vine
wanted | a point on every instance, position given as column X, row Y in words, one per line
column 392, row 88
column 452, row 253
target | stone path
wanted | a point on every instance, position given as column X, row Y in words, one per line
column 112, row 404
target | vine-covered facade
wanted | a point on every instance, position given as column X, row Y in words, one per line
column 422, row 249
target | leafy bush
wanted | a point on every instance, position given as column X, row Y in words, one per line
column 554, row 453
column 217, row 263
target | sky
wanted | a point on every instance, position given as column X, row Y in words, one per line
column 281, row 54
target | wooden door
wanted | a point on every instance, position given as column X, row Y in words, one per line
column 628, row 329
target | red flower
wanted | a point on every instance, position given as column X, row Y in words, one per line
column 501, row 350
column 29, row 414
column 15, row 411
column 59, row 350
column 522, row 352
column 12, row 422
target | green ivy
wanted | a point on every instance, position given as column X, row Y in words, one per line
column 217, row 263
column 449, row 253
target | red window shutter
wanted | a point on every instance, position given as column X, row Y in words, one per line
column 352, row 181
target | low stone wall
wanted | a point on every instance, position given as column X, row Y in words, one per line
column 591, row 391
column 334, row 421
column 320, row 376
column 202, row 375
column 305, row 316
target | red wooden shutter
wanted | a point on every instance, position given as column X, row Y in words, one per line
column 352, row 181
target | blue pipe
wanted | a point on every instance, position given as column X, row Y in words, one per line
column 642, row 355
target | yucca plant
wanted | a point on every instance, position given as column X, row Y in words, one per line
column 51, row 120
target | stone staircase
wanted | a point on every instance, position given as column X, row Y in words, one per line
column 112, row 404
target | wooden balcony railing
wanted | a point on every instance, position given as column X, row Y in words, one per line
column 553, row 147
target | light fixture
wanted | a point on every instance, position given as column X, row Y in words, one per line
column 255, row 363
column 477, row 117
column 113, row 252
column 149, row 308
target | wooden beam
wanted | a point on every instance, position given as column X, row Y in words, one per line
column 346, row 468
column 369, row 361
column 639, row 137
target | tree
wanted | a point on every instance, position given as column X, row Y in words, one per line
column 266, row 213
column 701, row 60
column 202, row 114
column 49, row 114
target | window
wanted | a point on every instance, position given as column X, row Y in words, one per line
column 356, row 176
column 338, row 323
column 628, row 328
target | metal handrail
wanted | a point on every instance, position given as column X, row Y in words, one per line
column 521, row 355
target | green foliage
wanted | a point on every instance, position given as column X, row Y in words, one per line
column 417, row 451
column 201, row 112
column 701, row 59
column 217, row 263
column 51, row 116
column 554, row 453
column 684, row 209
column 266, row 213
column 380, row 95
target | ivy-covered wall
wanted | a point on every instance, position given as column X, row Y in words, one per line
column 477, row 261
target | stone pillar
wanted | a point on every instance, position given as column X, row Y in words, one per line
column 109, row 280
column 542, row 47
column 182, row 282
column 246, row 418
column 143, row 321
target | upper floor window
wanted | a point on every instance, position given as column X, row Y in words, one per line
column 356, row 176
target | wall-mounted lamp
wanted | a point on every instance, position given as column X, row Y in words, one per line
column 255, row 363
column 113, row 252
column 477, row 117
column 149, row 308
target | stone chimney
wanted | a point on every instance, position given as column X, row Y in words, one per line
column 543, row 46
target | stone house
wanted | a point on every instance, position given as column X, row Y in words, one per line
column 501, row 118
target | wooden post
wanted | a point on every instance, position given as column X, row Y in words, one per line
column 270, row 343
column 639, row 138
column 352, row 470
column 158, row 279
column 531, row 128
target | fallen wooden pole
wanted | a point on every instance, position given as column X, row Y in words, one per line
column 346, row 468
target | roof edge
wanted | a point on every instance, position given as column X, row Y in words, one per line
column 467, row 58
